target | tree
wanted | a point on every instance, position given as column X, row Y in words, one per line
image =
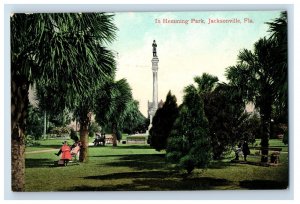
column 206, row 83
column 73, row 135
column 224, row 109
column 278, row 31
column 34, row 122
column 113, row 104
column 163, row 122
column 262, row 76
column 64, row 49
column 52, row 104
column 93, row 129
column 280, row 103
column 134, row 121
column 188, row 146
column 260, row 87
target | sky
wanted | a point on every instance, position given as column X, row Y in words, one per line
column 185, row 50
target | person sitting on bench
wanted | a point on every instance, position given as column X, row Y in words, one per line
column 75, row 150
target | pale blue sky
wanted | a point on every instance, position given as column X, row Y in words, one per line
column 184, row 51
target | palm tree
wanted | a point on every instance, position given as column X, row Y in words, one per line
column 278, row 31
column 259, row 69
column 206, row 83
column 64, row 49
column 113, row 105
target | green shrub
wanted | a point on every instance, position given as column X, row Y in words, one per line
column 137, row 137
column 30, row 141
column 73, row 135
column 285, row 138
column 60, row 131
column 119, row 135
column 93, row 128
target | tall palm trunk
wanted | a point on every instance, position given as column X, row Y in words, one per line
column 84, row 142
column 265, row 112
column 114, row 134
column 19, row 105
column 84, row 121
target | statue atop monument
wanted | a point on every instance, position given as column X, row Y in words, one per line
column 154, row 48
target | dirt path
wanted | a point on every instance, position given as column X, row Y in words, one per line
column 41, row 151
column 49, row 150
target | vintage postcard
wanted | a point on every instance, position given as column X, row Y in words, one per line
column 149, row 101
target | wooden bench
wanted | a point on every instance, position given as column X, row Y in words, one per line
column 275, row 153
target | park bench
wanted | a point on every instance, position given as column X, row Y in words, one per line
column 74, row 153
column 65, row 162
column 274, row 155
column 100, row 140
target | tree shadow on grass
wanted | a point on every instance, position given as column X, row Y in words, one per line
column 263, row 184
column 38, row 163
column 46, row 163
column 133, row 147
column 154, row 181
column 253, row 163
column 140, row 162
column 123, row 147
column 152, row 161
column 124, row 155
column 126, row 175
column 219, row 165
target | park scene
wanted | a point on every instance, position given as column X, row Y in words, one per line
column 149, row 101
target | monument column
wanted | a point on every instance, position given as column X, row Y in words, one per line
column 155, row 89
column 152, row 106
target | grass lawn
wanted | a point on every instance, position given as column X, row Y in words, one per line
column 272, row 143
column 138, row 167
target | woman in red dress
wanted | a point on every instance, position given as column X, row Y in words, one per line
column 65, row 152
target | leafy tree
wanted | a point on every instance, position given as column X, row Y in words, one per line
column 113, row 104
column 224, row 110
column 48, row 102
column 34, row 122
column 60, row 131
column 62, row 118
column 285, row 138
column 73, row 135
column 188, row 146
column 135, row 121
column 163, row 122
column 251, row 128
column 52, row 104
column 93, row 129
column 64, row 49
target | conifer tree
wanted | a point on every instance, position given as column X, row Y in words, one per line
column 188, row 146
column 163, row 122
